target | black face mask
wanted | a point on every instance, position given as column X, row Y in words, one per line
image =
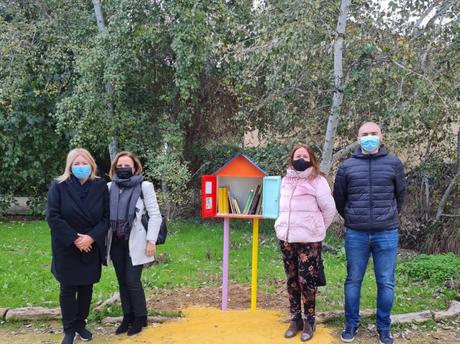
column 124, row 172
column 301, row 164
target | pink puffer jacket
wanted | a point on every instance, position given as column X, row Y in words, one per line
column 306, row 207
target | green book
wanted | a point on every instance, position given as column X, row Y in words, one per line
column 248, row 202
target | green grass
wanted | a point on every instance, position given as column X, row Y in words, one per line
column 193, row 254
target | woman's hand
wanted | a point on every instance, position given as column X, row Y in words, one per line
column 84, row 242
column 150, row 249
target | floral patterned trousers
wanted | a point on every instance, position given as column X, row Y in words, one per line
column 301, row 262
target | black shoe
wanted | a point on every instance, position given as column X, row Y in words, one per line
column 349, row 334
column 294, row 327
column 385, row 337
column 69, row 338
column 137, row 325
column 85, row 335
column 125, row 323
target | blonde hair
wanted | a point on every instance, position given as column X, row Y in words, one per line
column 71, row 156
column 134, row 158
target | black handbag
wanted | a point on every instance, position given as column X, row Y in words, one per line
column 321, row 282
column 163, row 228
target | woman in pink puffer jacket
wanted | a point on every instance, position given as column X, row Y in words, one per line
column 306, row 211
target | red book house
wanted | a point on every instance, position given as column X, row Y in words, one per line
column 242, row 190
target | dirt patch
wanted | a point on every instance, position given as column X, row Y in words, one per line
column 239, row 297
column 49, row 333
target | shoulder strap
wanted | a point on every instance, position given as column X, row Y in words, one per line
column 142, row 193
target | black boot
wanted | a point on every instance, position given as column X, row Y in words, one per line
column 309, row 326
column 294, row 327
column 138, row 323
column 125, row 323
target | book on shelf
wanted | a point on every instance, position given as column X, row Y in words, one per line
column 230, row 202
column 259, row 206
column 236, row 206
column 223, row 204
column 255, row 201
column 248, row 202
column 219, row 201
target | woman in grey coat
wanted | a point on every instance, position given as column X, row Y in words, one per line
column 129, row 244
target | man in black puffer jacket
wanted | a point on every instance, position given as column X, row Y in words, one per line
column 369, row 194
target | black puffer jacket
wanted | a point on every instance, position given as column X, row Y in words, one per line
column 369, row 191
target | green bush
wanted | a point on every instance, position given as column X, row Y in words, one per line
column 37, row 204
column 439, row 268
column 272, row 158
column 6, row 200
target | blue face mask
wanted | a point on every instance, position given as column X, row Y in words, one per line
column 370, row 143
column 81, row 171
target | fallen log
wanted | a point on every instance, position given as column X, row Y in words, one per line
column 3, row 313
column 410, row 317
column 451, row 312
column 453, row 284
column 322, row 317
column 114, row 298
column 42, row 313
column 32, row 313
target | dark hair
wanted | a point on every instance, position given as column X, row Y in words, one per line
column 313, row 160
column 134, row 158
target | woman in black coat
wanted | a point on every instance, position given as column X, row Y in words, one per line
column 78, row 216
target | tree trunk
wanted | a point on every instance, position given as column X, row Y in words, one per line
column 113, row 142
column 452, row 183
column 326, row 162
column 99, row 15
column 164, row 185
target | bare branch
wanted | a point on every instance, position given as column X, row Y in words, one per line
column 344, row 151
column 446, row 195
column 420, row 20
column 439, row 13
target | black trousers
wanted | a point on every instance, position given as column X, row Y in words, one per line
column 75, row 302
column 129, row 279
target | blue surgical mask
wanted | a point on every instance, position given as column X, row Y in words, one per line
column 81, row 171
column 370, row 143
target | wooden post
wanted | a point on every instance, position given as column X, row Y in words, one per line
column 255, row 255
column 226, row 250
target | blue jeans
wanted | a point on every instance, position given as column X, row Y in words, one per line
column 384, row 248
